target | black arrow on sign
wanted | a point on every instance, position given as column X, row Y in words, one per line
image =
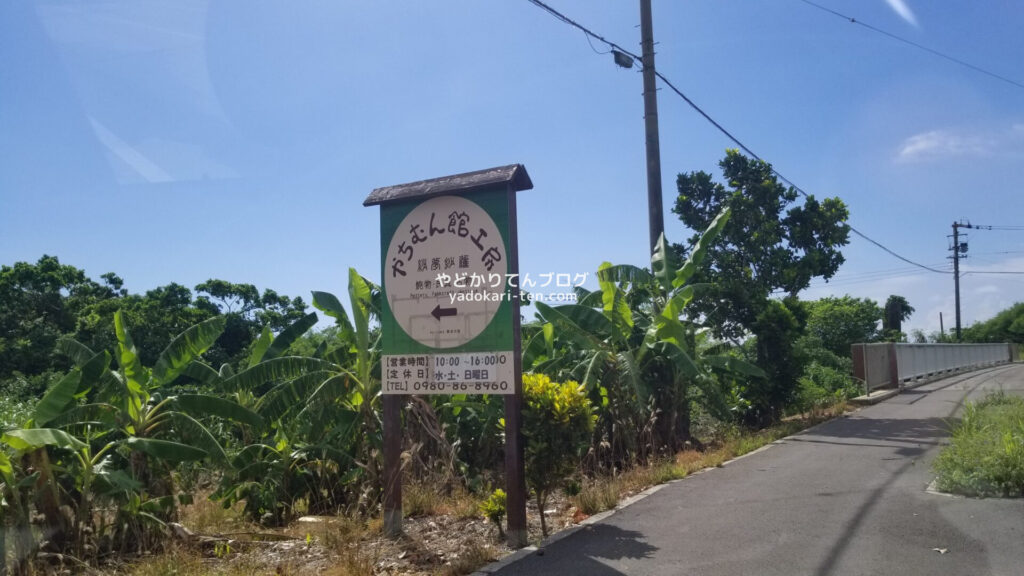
column 439, row 312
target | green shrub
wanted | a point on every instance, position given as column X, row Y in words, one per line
column 494, row 508
column 821, row 386
column 558, row 421
column 986, row 455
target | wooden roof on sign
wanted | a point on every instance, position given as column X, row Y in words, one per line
column 514, row 174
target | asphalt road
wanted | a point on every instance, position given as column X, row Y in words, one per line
column 846, row 497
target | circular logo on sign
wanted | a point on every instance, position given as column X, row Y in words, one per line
column 444, row 273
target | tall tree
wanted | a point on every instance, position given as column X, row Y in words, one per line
column 772, row 244
column 897, row 309
column 38, row 304
column 247, row 313
column 1006, row 326
column 839, row 322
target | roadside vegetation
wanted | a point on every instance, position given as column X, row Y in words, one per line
column 986, row 455
column 217, row 429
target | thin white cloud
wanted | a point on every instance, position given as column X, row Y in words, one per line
column 944, row 144
column 900, row 8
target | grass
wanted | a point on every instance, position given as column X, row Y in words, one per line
column 986, row 454
column 344, row 538
column 604, row 493
column 425, row 499
column 204, row 516
column 470, row 559
column 184, row 562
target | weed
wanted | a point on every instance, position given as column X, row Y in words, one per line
column 986, row 454
column 494, row 509
column 421, row 500
column 597, row 496
column 461, row 504
column 469, row 560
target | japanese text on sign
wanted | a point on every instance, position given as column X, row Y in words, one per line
column 464, row 373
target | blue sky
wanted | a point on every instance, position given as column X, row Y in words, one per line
column 181, row 140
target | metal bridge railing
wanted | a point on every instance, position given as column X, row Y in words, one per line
column 893, row 364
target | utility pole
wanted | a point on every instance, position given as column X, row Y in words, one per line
column 956, row 275
column 656, row 220
column 959, row 251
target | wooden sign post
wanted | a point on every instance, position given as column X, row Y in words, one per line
column 450, row 311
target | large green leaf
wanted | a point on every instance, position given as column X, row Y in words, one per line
column 95, row 371
column 110, row 479
column 78, row 353
column 534, row 349
column 623, row 273
column 595, row 368
column 166, row 450
column 335, row 426
column 329, row 304
column 548, row 330
column 289, row 335
column 580, row 323
column 34, row 438
column 77, row 418
column 337, row 386
column 6, row 470
column 57, row 398
column 207, row 405
column 614, row 302
column 290, row 396
column 630, row 372
column 277, row 370
column 254, row 453
column 360, row 295
column 186, row 347
column 190, row 430
column 128, row 358
column 681, row 360
column 593, row 299
column 734, row 365
column 260, row 346
column 661, row 265
column 700, row 249
column 677, row 303
column 203, row 373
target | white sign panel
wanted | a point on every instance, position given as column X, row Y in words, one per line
column 451, row 238
column 463, row 373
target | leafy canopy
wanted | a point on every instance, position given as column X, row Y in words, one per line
column 841, row 322
column 772, row 243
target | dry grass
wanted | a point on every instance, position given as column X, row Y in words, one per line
column 597, row 496
column 351, row 563
column 449, row 539
column 424, row 499
column 342, row 533
column 461, row 504
column 186, row 562
column 474, row 556
column 604, row 493
column 205, row 516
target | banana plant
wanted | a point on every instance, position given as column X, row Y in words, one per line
column 166, row 429
column 627, row 343
column 323, row 435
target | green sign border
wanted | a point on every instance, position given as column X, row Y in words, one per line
column 497, row 336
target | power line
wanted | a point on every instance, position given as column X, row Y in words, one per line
column 1000, row 252
column 932, row 51
column 718, row 126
